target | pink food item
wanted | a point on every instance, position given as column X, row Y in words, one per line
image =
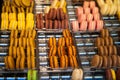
column 99, row 25
column 95, row 10
column 83, row 26
column 79, row 11
column 92, row 25
column 92, row 4
column 96, row 16
column 81, row 17
column 86, row 4
column 89, row 17
column 75, row 26
column 86, row 10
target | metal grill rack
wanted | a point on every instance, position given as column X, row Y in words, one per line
column 39, row 8
column 45, row 71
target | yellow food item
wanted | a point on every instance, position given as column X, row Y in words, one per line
column 21, row 16
column 113, row 74
column 21, row 25
column 12, row 16
column 29, row 25
column 13, row 25
column 26, row 2
column 29, row 16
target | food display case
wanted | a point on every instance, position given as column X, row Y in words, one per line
column 84, row 42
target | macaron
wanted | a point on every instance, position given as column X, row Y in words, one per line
column 114, row 50
column 18, row 62
column 92, row 25
column 105, row 50
column 95, row 10
column 69, row 41
column 105, row 62
column 87, row 10
column 9, row 62
column 100, row 62
column 61, row 51
column 83, row 25
column 66, row 33
column 89, row 17
column 75, row 26
column 92, row 4
column 101, row 50
column 114, row 60
column 96, row 16
column 113, row 74
column 53, row 62
column 79, row 10
column 72, row 50
column 22, row 63
column 32, row 75
column 110, row 50
column 52, row 41
column 86, row 4
column 77, row 74
column 95, row 61
column 118, row 74
column 99, row 25
column 73, row 61
column 108, row 74
column 29, row 62
column 61, row 41
column 32, row 62
column 82, row 17
column 64, row 61
column 52, row 51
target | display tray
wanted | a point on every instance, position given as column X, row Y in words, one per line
column 86, row 49
column 4, row 49
column 74, row 17
column 43, row 53
column 40, row 9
